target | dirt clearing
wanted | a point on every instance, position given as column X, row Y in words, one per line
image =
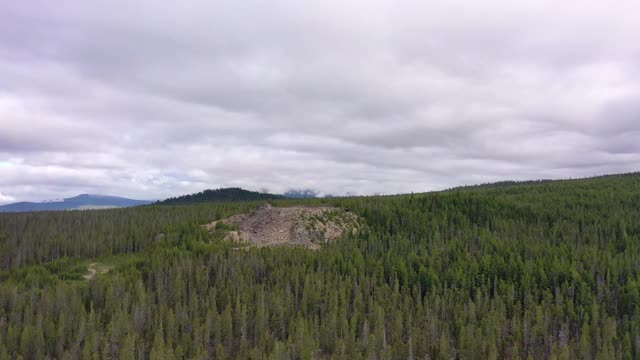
column 96, row 269
column 305, row 226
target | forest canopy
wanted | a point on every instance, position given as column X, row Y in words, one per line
column 513, row 271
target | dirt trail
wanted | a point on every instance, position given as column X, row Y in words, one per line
column 91, row 274
column 95, row 269
column 293, row 226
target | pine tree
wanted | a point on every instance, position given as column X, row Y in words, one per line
column 4, row 354
column 279, row 352
column 585, row 340
column 227, row 326
column 26, row 340
column 444, row 349
column 158, row 350
column 127, row 350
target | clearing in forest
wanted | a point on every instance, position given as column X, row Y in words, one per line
column 96, row 269
column 305, row 226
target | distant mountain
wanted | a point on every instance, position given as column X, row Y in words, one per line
column 80, row 202
column 220, row 195
column 301, row 194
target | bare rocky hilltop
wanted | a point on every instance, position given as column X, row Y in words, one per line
column 305, row 226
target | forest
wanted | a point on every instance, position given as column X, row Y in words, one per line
column 537, row 270
column 220, row 195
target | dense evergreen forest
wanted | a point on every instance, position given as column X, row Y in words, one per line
column 220, row 195
column 544, row 270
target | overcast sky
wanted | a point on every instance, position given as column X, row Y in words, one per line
column 149, row 99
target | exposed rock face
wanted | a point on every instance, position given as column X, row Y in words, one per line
column 298, row 226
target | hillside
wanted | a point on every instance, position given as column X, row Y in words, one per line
column 547, row 270
column 80, row 202
column 220, row 195
column 523, row 184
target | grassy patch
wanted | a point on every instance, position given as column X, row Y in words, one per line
column 68, row 270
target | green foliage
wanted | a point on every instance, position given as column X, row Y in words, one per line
column 520, row 271
column 221, row 225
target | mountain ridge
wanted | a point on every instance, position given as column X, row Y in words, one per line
column 79, row 202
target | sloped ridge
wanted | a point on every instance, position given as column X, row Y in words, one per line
column 220, row 195
column 287, row 226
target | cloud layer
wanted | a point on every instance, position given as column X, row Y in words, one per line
column 150, row 100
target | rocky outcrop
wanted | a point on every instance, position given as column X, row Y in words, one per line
column 293, row 226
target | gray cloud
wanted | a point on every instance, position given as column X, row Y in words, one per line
column 151, row 100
